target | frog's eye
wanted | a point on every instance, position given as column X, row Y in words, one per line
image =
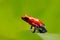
column 25, row 15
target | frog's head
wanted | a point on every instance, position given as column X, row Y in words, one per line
column 25, row 17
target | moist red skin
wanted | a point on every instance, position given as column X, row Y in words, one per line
column 34, row 22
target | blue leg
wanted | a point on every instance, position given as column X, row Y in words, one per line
column 42, row 30
column 34, row 29
column 31, row 27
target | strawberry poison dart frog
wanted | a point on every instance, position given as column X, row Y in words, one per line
column 36, row 23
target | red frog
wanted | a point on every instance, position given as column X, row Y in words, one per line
column 36, row 23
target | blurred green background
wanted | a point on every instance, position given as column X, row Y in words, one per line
column 13, row 28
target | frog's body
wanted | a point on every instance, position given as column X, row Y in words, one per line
column 36, row 23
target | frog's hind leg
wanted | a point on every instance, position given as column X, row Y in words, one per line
column 42, row 30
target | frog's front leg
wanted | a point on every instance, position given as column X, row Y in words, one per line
column 31, row 27
column 34, row 29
